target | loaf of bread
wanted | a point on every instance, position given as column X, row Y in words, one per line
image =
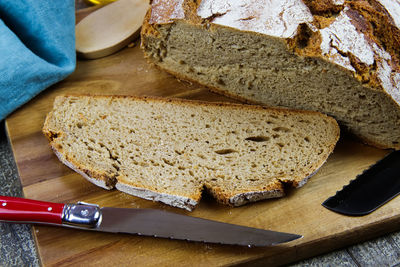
column 334, row 56
column 170, row 150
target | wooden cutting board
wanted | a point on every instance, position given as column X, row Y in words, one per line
column 43, row 177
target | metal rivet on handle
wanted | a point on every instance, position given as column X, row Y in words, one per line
column 49, row 208
column 4, row 204
column 85, row 213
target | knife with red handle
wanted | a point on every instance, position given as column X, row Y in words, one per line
column 148, row 222
column 14, row 209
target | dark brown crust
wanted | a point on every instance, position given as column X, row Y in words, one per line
column 375, row 23
column 225, row 198
column 324, row 8
column 369, row 17
column 380, row 27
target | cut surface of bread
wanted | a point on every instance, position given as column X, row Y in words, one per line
column 340, row 58
column 169, row 150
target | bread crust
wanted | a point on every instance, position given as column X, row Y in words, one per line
column 188, row 202
column 371, row 12
column 372, row 60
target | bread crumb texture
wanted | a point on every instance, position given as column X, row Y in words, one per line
column 171, row 150
column 338, row 57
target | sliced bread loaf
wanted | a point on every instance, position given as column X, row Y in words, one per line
column 170, row 150
column 341, row 58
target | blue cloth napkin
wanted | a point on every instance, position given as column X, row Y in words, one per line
column 37, row 48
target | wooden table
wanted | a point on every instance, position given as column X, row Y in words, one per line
column 44, row 177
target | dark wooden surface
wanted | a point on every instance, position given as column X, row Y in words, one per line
column 127, row 73
column 17, row 246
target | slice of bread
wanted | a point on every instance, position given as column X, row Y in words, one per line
column 169, row 150
column 341, row 58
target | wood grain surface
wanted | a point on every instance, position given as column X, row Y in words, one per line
column 43, row 177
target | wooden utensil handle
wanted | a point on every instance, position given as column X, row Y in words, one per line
column 16, row 209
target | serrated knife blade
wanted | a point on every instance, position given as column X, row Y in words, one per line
column 370, row 190
column 147, row 222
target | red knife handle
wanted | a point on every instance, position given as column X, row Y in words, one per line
column 26, row 210
column 23, row 210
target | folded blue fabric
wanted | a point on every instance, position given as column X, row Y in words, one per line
column 37, row 48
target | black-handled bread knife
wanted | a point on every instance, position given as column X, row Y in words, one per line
column 370, row 190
